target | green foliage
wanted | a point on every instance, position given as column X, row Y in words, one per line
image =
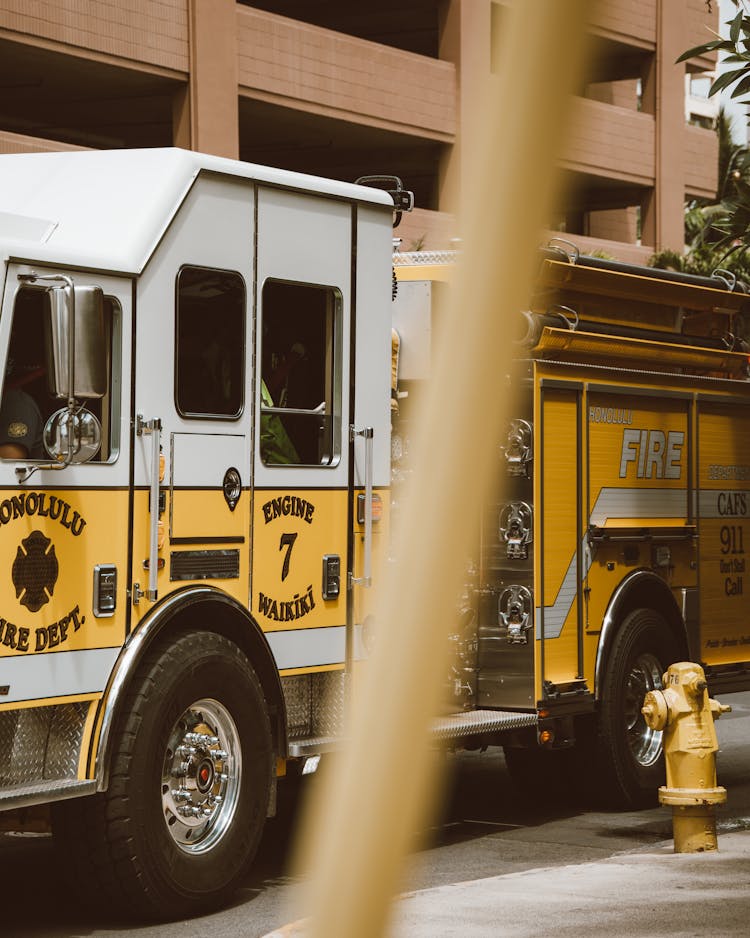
column 726, row 224
column 738, row 48
column 714, row 230
column 705, row 261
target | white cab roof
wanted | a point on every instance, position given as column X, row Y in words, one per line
column 107, row 209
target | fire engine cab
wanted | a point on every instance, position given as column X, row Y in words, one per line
column 614, row 542
column 195, row 413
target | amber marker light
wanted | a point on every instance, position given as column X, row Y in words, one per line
column 377, row 508
column 546, row 737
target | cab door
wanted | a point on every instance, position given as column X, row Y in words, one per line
column 63, row 531
column 301, row 512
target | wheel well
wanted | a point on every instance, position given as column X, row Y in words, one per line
column 642, row 589
column 209, row 610
column 236, row 624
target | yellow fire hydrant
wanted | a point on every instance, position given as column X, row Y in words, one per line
column 686, row 713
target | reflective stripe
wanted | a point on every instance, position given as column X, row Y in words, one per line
column 56, row 674
column 556, row 614
column 643, row 504
column 304, row 648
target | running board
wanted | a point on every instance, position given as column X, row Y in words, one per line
column 445, row 728
column 480, row 723
column 24, row 796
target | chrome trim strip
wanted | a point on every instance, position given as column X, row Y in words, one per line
column 609, row 623
column 644, row 504
column 307, row 648
column 56, row 674
column 129, row 657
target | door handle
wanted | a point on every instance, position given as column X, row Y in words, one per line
column 368, row 434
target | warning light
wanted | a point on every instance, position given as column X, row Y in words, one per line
column 546, row 737
column 377, row 508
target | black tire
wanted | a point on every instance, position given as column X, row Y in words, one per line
column 141, row 844
column 630, row 754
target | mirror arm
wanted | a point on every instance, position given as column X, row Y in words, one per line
column 25, row 472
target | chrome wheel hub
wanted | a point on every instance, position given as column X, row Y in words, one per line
column 201, row 776
column 645, row 675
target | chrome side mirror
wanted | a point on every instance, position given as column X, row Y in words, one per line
column 86, row 330
column 72, row 435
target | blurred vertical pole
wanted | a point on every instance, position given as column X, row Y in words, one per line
column 363, row 825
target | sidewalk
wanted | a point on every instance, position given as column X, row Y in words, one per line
column 650, row 892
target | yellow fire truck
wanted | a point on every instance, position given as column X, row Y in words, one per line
column 195, row 462
column 615, row 542
column 195, row 416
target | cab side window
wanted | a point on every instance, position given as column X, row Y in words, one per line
column 28, row 400
column 300, row 404
column 210, row 344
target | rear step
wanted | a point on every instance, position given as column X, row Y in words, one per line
column 479, row 722
column 445, row 728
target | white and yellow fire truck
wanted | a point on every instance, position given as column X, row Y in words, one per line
column 195, row 415
column 195, row 450
column 615, row 542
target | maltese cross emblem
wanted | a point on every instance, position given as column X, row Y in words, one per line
column 35, row 571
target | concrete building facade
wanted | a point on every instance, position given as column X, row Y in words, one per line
column 346, row 89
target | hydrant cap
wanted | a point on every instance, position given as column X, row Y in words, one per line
column 655, row 710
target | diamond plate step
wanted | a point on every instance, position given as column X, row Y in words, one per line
column 22, row 796
column 451, row 726
column 478, row 722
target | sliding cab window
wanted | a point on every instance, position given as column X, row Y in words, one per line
column 34, row 401
column 300, row 393
column 210, row 343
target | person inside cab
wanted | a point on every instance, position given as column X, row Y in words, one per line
column 20, row 421
column 276, row 446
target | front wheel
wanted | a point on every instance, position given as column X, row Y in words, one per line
column 189, row 784
column 630, row 752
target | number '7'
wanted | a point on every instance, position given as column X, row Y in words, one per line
column 287, row 540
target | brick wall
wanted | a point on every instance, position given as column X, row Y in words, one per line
column 19, row 143
column 634, row 19
column 628, row 253
column 322, row 71
column 434, row 230
column 611, row 141
column 614, row 225
column 153, row 32
column 701, row 162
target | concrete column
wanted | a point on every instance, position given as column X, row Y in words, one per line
column 205, row 112
column 465, row 40
column 663, row 213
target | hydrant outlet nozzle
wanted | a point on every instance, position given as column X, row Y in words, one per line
column 655, row 710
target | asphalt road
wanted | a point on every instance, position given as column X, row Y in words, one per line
column 486, row 829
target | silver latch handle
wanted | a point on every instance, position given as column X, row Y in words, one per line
column 368, row 433
column 154, row 428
